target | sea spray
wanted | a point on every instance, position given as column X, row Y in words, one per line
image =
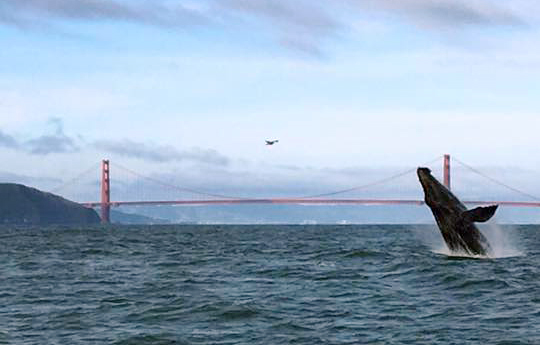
column 503, row 240
column 430, row 236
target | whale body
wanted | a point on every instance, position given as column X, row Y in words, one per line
column 455, row 222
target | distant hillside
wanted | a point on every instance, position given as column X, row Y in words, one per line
column 118, row 217
column 289, row 214
column 317, row 214
column 20, row 204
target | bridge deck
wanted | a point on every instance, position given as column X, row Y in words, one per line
column 302, row 202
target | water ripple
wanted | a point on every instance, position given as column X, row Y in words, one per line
column 262, row 285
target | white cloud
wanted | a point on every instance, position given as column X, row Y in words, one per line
column 300, row 25
column 160, row 153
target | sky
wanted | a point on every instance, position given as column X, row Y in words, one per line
column 188, row 90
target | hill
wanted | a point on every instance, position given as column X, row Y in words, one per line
column 20, row 204
column 118, row 217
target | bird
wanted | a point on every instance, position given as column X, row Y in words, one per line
column 271, row 142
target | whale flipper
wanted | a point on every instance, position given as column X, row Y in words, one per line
column 480, row 214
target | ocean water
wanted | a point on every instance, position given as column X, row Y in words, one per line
column 271, row 284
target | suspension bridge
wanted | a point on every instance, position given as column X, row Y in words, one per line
column 330, row 198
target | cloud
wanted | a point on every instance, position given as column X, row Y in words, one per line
column 8, row 141
column 58, row 142
column 298, row 25
column 160, row 153
column 47, row 144
column 305, row 26
column 437, row 14
column 302, row 14
column 53, row 143
column 27, row 12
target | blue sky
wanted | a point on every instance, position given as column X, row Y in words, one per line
column 197, row 86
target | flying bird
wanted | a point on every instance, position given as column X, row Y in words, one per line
column 271, row 142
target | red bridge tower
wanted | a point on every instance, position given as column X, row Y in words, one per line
column 446, row 171
column 105, row 193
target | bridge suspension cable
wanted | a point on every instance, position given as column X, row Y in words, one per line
column 478, row 172
column 312, row 199
column 169, row 185
column 75, row 179
column 371, row 184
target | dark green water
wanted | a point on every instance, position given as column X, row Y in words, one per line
column 265, row 285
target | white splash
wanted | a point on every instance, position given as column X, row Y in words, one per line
column 503, row 241
column 446, row 252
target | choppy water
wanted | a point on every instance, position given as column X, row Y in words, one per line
column 265, row 285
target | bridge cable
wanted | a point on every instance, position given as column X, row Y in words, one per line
column 496, row 181
column 371, row 184
column 183, row 189
column 74, row 179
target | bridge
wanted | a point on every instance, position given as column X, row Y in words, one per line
column 330, row 198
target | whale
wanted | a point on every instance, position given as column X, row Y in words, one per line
column 456, row 223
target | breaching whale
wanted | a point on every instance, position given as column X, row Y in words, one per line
column 455, row 222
